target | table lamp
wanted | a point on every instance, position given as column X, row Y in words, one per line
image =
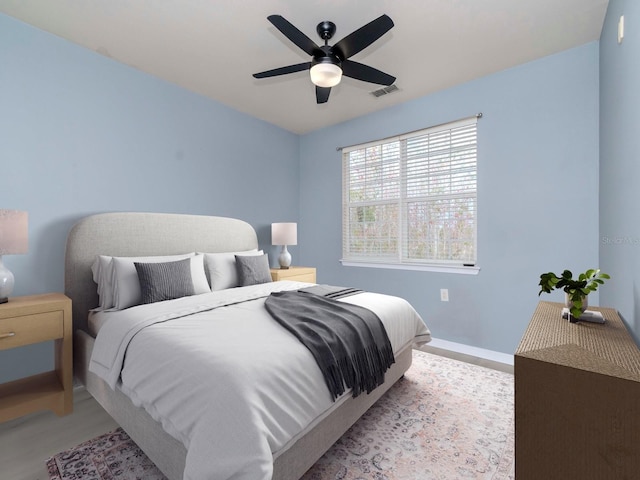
column 284, row 234
column 13, row 240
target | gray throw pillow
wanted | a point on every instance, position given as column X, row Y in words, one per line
column 165, row 281
column 253, row 269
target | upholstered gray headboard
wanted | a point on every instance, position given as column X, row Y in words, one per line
column 129, row 234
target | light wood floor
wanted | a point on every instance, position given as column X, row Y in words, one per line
column 27, row 442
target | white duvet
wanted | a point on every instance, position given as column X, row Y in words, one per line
column 223, row 377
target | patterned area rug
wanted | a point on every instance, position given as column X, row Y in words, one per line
column 444, row 420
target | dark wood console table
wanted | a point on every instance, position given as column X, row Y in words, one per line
column 577, row 399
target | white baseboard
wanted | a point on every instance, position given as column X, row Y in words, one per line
column 474, row 351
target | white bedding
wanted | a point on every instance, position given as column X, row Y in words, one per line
column 223, row 377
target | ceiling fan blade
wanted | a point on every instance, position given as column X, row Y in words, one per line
column 322, row 94
column 283, row 70
column 293, row 34
column 363, row 37
column 366, row 73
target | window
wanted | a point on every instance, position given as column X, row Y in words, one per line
column 411, row 200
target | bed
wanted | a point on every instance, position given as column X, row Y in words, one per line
column 134, row 234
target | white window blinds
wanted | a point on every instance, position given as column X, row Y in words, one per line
column 412, row 199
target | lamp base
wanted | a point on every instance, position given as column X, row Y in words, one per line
column 285, row 258
column 6, row 282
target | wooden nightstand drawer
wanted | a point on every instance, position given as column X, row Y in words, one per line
column 28, row 329
column 298, row 274
column 309, row 277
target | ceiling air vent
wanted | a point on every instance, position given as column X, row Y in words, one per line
column 384, row 90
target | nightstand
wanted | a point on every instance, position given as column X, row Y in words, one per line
column 35, row 319
column 299, row 274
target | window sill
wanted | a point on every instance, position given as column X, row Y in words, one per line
column 457, row 269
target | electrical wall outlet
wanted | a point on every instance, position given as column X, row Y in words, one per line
column 444, row 295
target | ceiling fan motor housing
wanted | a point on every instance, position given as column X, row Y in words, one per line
column 326, row 55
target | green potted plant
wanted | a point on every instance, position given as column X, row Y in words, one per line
column 576, row 291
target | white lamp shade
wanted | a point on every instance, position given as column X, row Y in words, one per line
column 284, row 233
column 325, row 74
column 13, row 232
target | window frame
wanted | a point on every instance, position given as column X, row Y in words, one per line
column 399, row 258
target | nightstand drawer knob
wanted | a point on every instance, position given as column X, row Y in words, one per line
column 7, row 335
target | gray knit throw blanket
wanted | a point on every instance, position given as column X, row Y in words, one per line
column 348, row 342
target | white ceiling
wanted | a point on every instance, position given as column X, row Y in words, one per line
column 212, row 47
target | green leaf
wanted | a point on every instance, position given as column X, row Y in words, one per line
column 576, row 312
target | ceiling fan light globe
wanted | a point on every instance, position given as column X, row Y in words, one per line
column 325, row 75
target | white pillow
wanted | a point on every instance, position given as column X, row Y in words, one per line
column 102, row 269
column 126, row 285
column 221, row 268
column 198, row 275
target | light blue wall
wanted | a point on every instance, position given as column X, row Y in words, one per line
column 82, row 134
column 620, row 161
column 537, row 195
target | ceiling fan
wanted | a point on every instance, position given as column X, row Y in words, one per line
column 329, row 63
